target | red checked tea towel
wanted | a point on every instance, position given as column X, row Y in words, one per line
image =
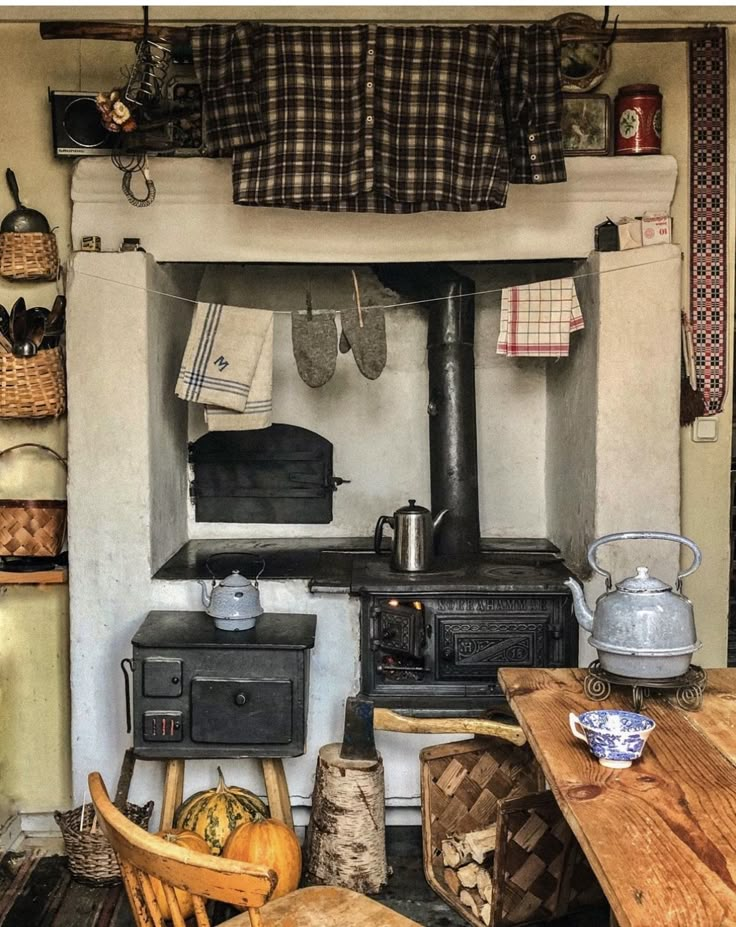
column 536, row 319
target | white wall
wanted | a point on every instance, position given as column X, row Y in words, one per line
column 379, row 428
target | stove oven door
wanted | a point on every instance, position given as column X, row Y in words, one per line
column 475, row 636
column 241, row 711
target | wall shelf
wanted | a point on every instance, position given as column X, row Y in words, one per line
column 37, row 577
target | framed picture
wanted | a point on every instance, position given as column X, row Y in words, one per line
column 586, row 124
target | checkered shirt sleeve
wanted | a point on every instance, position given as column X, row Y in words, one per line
column 224, row 65
column 532, row 96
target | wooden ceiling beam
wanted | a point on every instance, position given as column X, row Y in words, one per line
column 178, row 35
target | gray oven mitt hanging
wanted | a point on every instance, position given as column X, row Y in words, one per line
column 369, row 342
column 314, row 342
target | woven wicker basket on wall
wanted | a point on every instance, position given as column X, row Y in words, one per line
column 32, row 527
column 32, row 387
column 29, row 256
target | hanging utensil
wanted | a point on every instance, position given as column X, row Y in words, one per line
column 22, row 219
column 18, row 327
column 55, row 323
column 36, row 324
column 22, row 345
column 148, row 74
column 4, row 322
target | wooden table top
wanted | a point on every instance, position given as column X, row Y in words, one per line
column 660, row 835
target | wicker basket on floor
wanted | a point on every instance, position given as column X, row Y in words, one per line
column 91, row 858
column 32, row 387
column 29, row 256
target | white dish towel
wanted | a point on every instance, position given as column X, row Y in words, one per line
column 228, row 366
column 536, row 319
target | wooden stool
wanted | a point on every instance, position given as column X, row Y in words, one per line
column 274, row 777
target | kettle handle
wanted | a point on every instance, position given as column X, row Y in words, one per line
column 645, row 536
column 378, row 534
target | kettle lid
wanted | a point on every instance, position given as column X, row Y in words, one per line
column 642, row 582
column 235, row 580
column 412, row 509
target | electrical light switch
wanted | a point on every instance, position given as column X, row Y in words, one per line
column 705, row 429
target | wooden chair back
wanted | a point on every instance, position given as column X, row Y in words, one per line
column 143, row 857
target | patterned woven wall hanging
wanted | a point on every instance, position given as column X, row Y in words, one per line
column 708, row 249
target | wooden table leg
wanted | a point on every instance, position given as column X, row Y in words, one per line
column 277, row 790
column 173, row 792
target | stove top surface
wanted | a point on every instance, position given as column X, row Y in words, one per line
column 488, row 572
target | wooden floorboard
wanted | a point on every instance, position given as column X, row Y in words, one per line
column 38, row 891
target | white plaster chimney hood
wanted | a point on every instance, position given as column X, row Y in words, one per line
column 194, row 219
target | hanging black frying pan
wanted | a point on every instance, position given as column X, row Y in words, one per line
column 22, row 219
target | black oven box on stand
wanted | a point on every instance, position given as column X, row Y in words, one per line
column 200, row 692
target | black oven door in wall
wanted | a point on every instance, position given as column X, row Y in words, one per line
column 277, row 475
column 201, row 692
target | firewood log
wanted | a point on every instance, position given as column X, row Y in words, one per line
column 469, row 901
column 452, row 881
column 485, row 914
column 485, row 884
column 468, row 875
column 461, row 849
column 479, row 843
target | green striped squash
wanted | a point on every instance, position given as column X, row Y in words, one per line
column 215, row 813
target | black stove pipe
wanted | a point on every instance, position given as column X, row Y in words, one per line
column 453, row 447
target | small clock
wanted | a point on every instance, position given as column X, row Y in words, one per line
column 584, row 64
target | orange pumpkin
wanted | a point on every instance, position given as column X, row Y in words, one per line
column 189, row 841
column 269, row 843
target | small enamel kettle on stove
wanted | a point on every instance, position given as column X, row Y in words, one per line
column 234, row 602
column 414, row 528
column 641, row 629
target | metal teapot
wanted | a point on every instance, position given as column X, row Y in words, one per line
column 414, row 528
column 642, row 629
column 234, row 602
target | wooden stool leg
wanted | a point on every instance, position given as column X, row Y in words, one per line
column 173, row 792
column 277, row 790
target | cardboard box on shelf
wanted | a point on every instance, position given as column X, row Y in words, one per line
column 656, row 228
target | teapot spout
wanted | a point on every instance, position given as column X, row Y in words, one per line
column 206, row 593
column 582, row 612
column 437, row 520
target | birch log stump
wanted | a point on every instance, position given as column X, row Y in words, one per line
column 346, row 837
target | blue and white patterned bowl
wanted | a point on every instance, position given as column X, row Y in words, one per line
column 616, row 738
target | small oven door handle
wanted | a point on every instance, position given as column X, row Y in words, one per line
column 128, row 715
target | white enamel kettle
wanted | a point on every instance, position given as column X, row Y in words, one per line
column 234, row 602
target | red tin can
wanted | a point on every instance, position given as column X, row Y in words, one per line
column 638, row 120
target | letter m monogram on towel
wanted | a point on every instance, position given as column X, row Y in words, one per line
column 221, row 363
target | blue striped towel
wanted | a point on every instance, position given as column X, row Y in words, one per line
column 228, row 366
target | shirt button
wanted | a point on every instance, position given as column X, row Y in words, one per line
column 532, row 137
column 532, row 157
column 369, row 85
column 369, row 120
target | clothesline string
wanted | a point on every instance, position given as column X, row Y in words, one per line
column 390, row 306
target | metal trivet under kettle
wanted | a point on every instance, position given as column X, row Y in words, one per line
column 643, row 631
column 686, row 690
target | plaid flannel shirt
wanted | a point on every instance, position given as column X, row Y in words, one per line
column 375, row 118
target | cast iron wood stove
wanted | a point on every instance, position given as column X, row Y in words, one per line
column 434, row 642
column 199, row 692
